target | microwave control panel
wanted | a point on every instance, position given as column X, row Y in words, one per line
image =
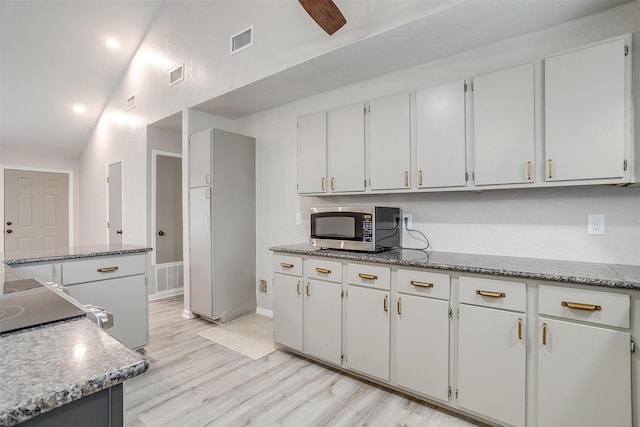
column 367, row 228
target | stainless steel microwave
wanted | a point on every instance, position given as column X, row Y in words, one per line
column 370, row 229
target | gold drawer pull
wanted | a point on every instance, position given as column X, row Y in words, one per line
column 107, row 269
column 550, row 167
column 298, row 287
column 385, row 306
column 420, row 177
column 285, row 265
column 368, row 276
column 491, row 294
column 581, row 306
column 322, row 183
column 323, row 270
column 399, row 306
column 544, row 334
column 529, row 171
column 421, row 284
column 308, row 293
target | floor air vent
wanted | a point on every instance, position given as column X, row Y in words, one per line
column 176, row 75
column 242, row 40
column 131, row 103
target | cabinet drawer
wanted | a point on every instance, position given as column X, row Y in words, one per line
column 604, row 308
column 502, row 294
column 287, row 264
column 102, row 268
column 424, row 283
column 323, row 269
column 371, row 276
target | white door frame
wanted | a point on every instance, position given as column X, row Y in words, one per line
column 154, row 156
column 106, row 181
column 36, row 169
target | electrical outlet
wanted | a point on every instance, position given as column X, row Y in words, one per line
column 407, row 220
column 263, row 286
column 595, row 224
column 298, row 219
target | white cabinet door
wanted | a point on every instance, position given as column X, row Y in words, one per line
column 345, row 146
column 43, row 272
column 584, row 376
column 441, row 136
column 503, row 109
column 287, row 310
column 422, row 345
column 323, row 320
column 200, row 159
column 584, row 113
column 126, row 298
column 492, row 363
column 312, row 153
column 368, row 329
column 390, row 142
column 201, row 251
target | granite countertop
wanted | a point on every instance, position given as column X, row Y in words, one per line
column 52, row 255
column 49, row 366
column 584, row 273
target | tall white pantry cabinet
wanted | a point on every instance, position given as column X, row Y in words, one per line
column 222, row 224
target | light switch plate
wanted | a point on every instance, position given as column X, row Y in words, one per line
column 595, row 224
column 298, row 219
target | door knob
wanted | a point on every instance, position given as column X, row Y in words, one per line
column 119, row 232
column 160, row 233
column 9, row 231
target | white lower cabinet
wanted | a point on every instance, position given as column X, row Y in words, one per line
column 422, row 345
column 287, row 310
column 584, row 371
column 323, row 320
column 368, row 329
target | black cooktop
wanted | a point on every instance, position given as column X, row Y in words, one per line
column 27, row 303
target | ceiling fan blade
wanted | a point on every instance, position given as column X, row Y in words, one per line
column 325, row 13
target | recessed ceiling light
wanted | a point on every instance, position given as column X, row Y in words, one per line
column 112, row 43
column 79, row 109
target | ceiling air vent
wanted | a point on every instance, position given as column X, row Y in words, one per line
column 176, row 75
column 131, row 103
column 242, row 40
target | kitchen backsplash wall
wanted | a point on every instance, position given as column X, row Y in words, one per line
column 541, row 223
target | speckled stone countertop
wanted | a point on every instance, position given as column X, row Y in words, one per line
column 52, row 255
column 49, row 366
column 584, row 273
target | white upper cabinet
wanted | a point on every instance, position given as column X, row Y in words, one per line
column 441, row 136
column 585, row 113
column 390, row 142
column 503, row 109
column 345, row 144
column 312, row 153
column 200, row 159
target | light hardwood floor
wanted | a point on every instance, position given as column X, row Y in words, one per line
column 192, row 381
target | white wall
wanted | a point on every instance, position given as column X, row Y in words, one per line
column 44, row 161
column 540, row 223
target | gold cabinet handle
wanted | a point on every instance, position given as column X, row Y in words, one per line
column 298, row 287
column 399, row 307
column 550, row 167
column 207, row 179
column 519, row 329
column 544, row 334
column 385, row 305
column 581, row 306
column 107, row 269
column 529, row 171
column 308, row 285
column 491, row 294
column 332, row 180
column 421, row 284
column 323, row 270
column 406, row 178
column 286, row 265
column 420, row 177
column 322, row 183
column 368, row 276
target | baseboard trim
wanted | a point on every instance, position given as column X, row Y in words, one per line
column 264, row 312
column 165, row 294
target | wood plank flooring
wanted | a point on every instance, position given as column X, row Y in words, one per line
column 192, row 381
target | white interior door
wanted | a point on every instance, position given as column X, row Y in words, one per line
column 114, row 185
column 36, row 215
